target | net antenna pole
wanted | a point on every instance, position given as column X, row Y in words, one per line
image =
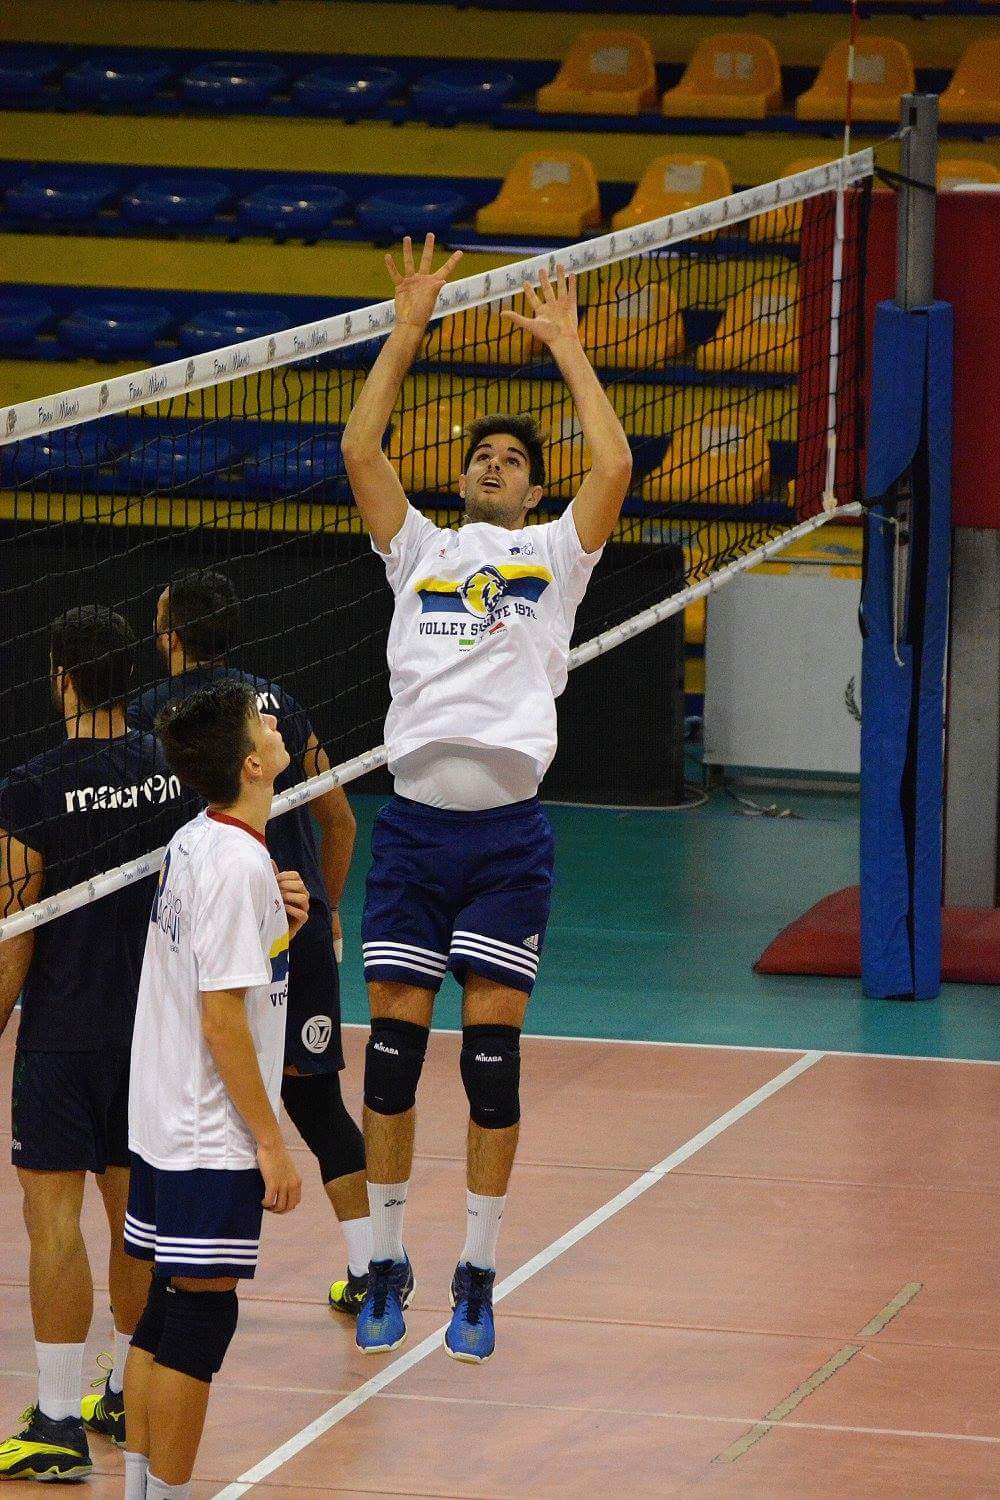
column 836, row 284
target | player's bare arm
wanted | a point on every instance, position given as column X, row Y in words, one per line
column 21, row 877
column 227, row 1034
column 373, row 479
column 554, row 322
column 337, row 832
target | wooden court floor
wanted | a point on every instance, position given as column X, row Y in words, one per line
column 724, row 1272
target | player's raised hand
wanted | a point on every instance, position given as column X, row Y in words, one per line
column 418, row 287
column 282, row 1183
column 295, row 898
column 553, row 316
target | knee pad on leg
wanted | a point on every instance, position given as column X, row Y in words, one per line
column 149, row 1329
column 394, row 1059
column 198, row 1330
column 491, row 1073
column 316, row 1108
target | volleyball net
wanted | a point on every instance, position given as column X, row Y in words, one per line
column 729, row 337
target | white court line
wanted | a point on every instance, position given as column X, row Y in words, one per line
column 638, row 1041
column 405, row 1362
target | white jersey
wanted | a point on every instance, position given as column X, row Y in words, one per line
column 218, row 923
column 480, row 633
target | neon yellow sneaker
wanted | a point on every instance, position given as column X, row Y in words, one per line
column 46, row 1449
column 105, row 1412
column 347, row 1296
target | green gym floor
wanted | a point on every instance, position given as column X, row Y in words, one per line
column 659, row 916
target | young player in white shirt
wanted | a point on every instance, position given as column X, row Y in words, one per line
column 462, row 854
column 207, row 1057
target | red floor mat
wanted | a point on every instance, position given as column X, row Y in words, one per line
column 826, row 940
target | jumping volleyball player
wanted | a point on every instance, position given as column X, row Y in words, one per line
column 462, row 854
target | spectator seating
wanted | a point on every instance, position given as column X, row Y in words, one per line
column 22, row 318
column 115, row 81
column 301, row 207
column 395, row 210
column 721, row 457
column 733, row 75
column 635, row 326
column 174, row 461
column 429, row 446
column 479, row 336
column 225, row 84
column 567, row 457
column 345, row 88
column 883, row 70
column 114, row 329
column 973, row 95
column 954, row 173
column 672, row 183
column 605, row 73
column 306, row 466
column 76, row 448
column 174, row 202
column 62, row 195
column 462, row 91
column 758, row 333
column 217, row 327
column 549, row 192
column 24, row 72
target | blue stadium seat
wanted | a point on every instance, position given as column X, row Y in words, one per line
column 344, row 88
column 71, row 450
column 296, row 206
column 392, row 211
column 24, row 72
column 62, row 195
column 21, row 318
column 217, row 327
column 114, row 330
column 231, row 83
column 177, row 460
column 296, row 465
column 115, row 81
column 174, row 202
column 462, row 92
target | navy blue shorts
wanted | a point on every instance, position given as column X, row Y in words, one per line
column 196, row 1223
column 458, row 891
column 312, row 1032
column 69, row 1111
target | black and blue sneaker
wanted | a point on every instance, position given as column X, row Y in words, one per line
column 381, row 1326
column 471, row 1334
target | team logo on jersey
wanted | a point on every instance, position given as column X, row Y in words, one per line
column 279, row 959
column 316, row 1034
column 482, row 591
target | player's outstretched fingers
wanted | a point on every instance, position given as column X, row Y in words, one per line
column 450, row 264
column 393, row 270
column 427, row 255
column 531, row 296
column 407, row 255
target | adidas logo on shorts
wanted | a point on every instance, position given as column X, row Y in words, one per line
column 532, row 942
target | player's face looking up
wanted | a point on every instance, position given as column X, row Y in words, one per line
column 269, row 753
column 496, row 486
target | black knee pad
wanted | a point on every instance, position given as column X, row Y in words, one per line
column 198, row 1330
column 316, row 1108
column 491, row 1072
column 149, row 1329
column 394, row 1059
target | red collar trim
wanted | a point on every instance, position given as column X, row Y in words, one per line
column 220, row 817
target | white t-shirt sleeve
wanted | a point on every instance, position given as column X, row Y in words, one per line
column 407, row 547
column 571, row 565
column 228, row 925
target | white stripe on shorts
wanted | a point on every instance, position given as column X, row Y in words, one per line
column 425, row 953
column 463, row 948
column 503, row 951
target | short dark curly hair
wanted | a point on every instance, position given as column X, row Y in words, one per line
column 206, row 738
column 203, row 609
column 517, row 424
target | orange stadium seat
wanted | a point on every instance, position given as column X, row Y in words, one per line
column 634, row 326
column 959, row 172
column 758, row 333
column 672, row 183
column 545, row 192
column 785, row 223
column 427, row 447
column 733, row 75
column 479, row 336
column 719, row 456
column 605, row 73
column 973, row 95
column 883, row 70
column 567, row 457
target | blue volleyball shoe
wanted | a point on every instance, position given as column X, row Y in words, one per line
column 471, row 1335
column 381, row 1326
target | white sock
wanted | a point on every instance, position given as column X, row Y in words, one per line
column 387, row 1201
column 157, row 1490
column 358, row 1237
column 482, row 1230
column 136, row 1469
column 122, row 1343
column 60, row 1379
